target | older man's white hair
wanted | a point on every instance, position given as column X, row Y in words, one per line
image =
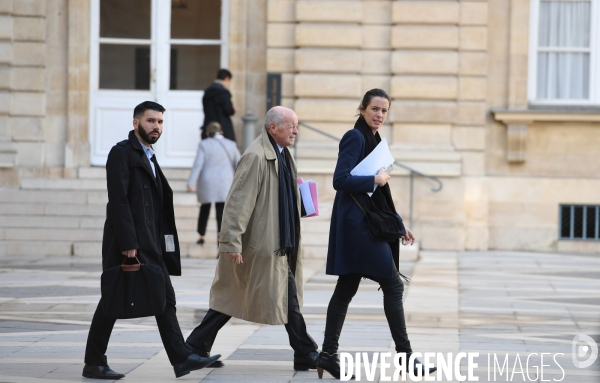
column 275, row 116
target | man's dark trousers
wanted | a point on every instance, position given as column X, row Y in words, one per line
column 168, row 326
column 204, row 335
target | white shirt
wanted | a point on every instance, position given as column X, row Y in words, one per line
column 149, row 153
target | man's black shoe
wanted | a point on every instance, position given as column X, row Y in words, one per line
column 100, row 372
column 192, row 363
column 306, row 362
column 204, row 354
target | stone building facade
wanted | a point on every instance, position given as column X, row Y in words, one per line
column 459, row 73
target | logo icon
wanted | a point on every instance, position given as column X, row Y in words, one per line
column 583, row 346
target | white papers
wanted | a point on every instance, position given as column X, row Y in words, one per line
column 309, row 207
column 379, row 158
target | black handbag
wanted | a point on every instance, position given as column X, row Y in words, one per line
column 383, row 225
column 133, row 290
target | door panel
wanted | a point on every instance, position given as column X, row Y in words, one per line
column 163, row 51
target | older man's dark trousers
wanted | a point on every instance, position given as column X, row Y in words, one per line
column 204, row 335
column 168, row 326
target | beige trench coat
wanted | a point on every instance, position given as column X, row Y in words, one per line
column 256, row 290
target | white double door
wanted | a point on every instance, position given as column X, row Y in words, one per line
column 153, row 50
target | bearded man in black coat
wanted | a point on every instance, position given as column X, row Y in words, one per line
column 217, row 104
column 140, row 222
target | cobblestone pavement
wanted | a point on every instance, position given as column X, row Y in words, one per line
column 514, row 306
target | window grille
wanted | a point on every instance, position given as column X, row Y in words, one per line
column 579, row 222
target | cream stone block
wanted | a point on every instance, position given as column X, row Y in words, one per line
column 280, row 60
column 330, row 110
column 29, row 7
column 29, row 29
column 424, row 62
column 4, row 129
column 31, row 79
column 287, row 85
column 473, row 163
column 5, row 102
column 27, row 104
column 376, row 62
column 288, row 102
column 281, row 35
column 6, row 27
column 5, row 77
column 26, row 128
column 374, row 81
column 424, row 111
column 471, row 113
column 327, row 85
column 425, row 37
column 473, row 13
column 424, row 87
column 337, row 129
column 55, row 128
column 436, row 236
column 472, row 88
column 477, row 237
column 6, row 52
column 30, row 54
column 29, row 154
column 425, row 12
column 281, row 10
column 376, row 36
column 473, row 63
column 468, row 138
column 54, row 154
column 6, row 6
column 423, row 135
column 328, row 60
column 377, row 12
column 346, row 11
column 329, row 35
column 473, row 38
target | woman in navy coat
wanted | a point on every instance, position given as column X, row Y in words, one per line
column 352, row 253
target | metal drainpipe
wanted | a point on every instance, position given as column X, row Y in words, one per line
column 249, row 127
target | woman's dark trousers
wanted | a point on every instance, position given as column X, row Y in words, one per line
column 204, row 335
column 168, row 326
column 346, row 288
column 203, row 216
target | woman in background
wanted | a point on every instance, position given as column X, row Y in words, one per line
column 212, row 174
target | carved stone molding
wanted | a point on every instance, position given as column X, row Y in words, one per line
column 516, row 122
column 516, row 142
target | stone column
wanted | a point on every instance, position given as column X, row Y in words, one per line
column 77, row 151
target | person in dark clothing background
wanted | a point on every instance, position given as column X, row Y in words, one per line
column 217, row 105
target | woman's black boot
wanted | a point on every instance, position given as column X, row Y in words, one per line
column 330, row 363
column 418, row 365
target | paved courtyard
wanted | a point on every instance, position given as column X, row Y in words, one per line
column 508, row 305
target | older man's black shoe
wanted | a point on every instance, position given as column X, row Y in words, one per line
column 204, row 354
column 100, row 372
column 192, row 363
column 306, row 362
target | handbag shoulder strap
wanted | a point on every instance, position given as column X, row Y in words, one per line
column 357, row 204
column 226, row 152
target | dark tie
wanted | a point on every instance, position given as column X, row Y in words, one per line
column 153, row 159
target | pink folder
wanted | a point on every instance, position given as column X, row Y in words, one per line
column 314, row 197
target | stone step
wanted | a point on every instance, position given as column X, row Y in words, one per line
column 99, row 173
column 80, row 184
column 36, row 248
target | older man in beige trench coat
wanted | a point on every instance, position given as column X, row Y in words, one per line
column 256, row 280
